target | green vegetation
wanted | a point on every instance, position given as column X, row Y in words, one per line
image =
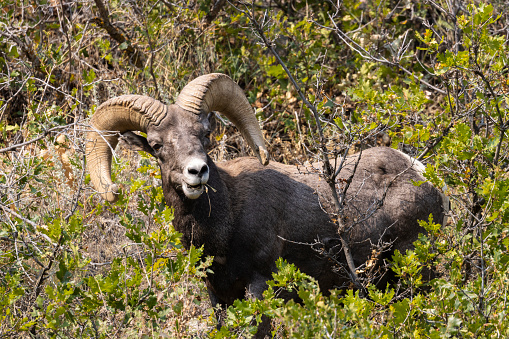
column 429, row 78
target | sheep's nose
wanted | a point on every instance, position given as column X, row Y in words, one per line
column 198, row 169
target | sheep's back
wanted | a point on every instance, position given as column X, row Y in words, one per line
column 282, row 210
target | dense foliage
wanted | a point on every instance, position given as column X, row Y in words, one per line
column 430, row 78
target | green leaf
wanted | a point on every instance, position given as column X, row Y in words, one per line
column 276, row 71
column 380, row 297
column 63, row 273
column 339, row 122
column 400, row 311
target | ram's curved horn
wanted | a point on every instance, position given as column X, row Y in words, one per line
column 120, row 114
column 218, row 92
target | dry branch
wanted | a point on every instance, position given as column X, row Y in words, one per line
column 42, row 136
column 218, row 5
column 137, row 57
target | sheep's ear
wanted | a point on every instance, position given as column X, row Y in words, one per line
column 136, row 142
column 212, row 120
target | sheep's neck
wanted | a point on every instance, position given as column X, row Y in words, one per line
column 206, row 220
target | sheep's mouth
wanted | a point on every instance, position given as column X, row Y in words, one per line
column 193, row 191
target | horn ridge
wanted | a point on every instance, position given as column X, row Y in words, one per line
column 140, row 107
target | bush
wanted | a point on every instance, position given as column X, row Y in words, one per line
column 431, row 80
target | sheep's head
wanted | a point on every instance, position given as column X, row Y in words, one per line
column 177, row 135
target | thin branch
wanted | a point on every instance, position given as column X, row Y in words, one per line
column 502, row 125
column 30, row 222
column 43, row 276
column 435, row 142
column 42, row 136
column 367, row 55
column 151, row 47
column 350, row 178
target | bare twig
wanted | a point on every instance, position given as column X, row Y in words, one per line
column 501, row 124
column 43, row 276
column 31, row 223
column 151, row 47
column 42, row 136
column 380, row 59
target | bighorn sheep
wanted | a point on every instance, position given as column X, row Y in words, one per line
column 256, row 212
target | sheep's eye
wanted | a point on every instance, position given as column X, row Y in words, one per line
column 157, row 147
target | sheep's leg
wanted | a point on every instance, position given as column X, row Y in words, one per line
column 219, row 307
column 255, row 290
